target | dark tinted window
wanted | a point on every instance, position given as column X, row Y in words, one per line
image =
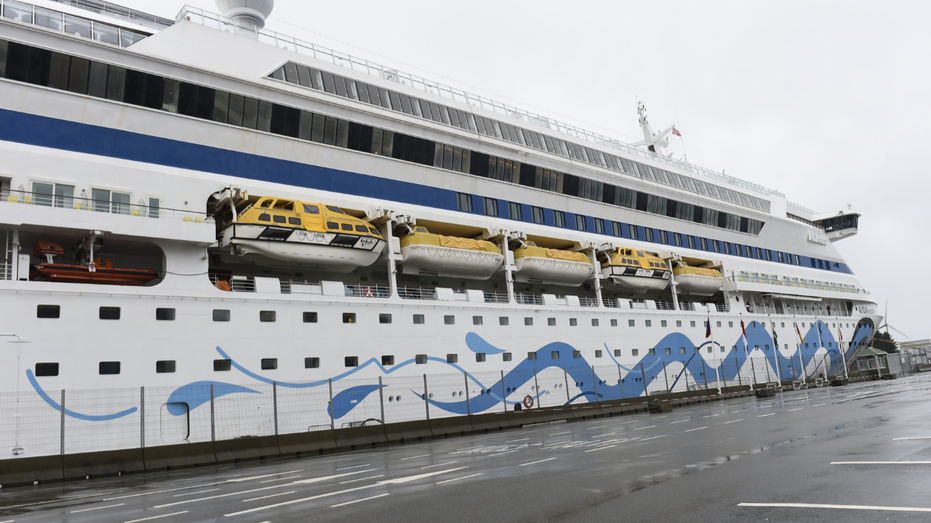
column 311, row 363
column 222, row 365
column 269, row 363
column 221, row 315
column 109, row 313
column 48, row 311
column 310, row 317
column 46, row 369
column 109, row 367
column 165, row 366
column 165, row 314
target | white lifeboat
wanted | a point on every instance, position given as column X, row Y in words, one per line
column 423, row 252
column 697, row 277
column 541, row 265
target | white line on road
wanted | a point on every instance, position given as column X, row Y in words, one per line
column 915, row 437
column 734, row 421
column 680, row 421
column 221, row 495
column 334, row 476
column 301, row 500
column 407, row 479
column 157, row 517
column 414, row 457
column 647, row 427
column 819, row 405
column 654, row 437
column 457, row 479
column 97, row 508
column 438, row 465
column 280, row 479
column 503, row 453
column 360, row 479
column 354, row 467
column 561, row 433
column 695, row 429
column 793, row 410
column 268, row 496
column 195, row 493
column 359, row 500
column 516, row 440
column 765, row 415
column 535, row 462
column 240, row 480
column 601, row 448
column 881, row 463
column 837, row 507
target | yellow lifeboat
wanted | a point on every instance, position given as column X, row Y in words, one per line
column 636, row 270
column 312, row 234
column 423, row 252
column 542, row 265
column 697, row 277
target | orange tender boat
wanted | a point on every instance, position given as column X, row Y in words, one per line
column 104, row 274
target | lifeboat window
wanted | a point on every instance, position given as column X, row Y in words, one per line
column 165, row 366
column 294, row 221
column 617, row 353
column 387, row 360
column 332, row 225
column 351, row 361
column 528, row 321
column 48, row 311
column 109, row 313
column 265, row 218
column 594, row 322
column 418, row 319
column 476, row 320
column 614, row 323
column 221, row 315
column 222, row 365
column 109, row 367
column 373, row 231
column 507, row 356
column 311, row 363
column 554, row 355
column 631, row 323
column 46, row 369
column 349, row 317
column 503, row 320
column 420, row 359
column 347, row 226
column 267, row 316
column 362, row 228
column 269, row 363
column 452, row 358
column 335, row 209
column 421, row 229
column 280, row 219
column 480, row 357
column 165, row 314
column 310, row 317
column 648, row 323
column 651, row 265
column 531, row 356
column 384, row 318
column 639, row 253
column 573, row 322
column 266, row 204
column 311, row 209
column 551, row 322
column 449, row 319
column 633, row 352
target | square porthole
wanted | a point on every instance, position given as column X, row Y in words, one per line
column 222, row 365
column 652, row 352
column 617, row 353
column 507, row 356
column 634, row 352
column 554, row 355
column 480, row 357
column 109, row 367
column 109, row 313
column 692, row 323
column 48, row 311
column 165, row 366
column 528, row 321
column 165, row 314
column 267, row 316
column 503, row 320
column 384, row 318
column 221, row 315
column 420, row 359
column 418, row 319
column 476, row 320
column 531, row 356
column 351, row 361
column 310, row 317
column 662, row 323
column 46, row 369
column 594, row 322
column 648, row 323
column 449, row 319
column 551, row 322
column 311, row 363
column 269, row 363
column 668, row 350
column 387, row 360
column 631, row 323
column 452, row 358
column 573, row 322
column 576, row 354
column 349, row 317
column 679, row 323
column 614, row 323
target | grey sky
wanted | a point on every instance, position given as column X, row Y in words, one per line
column 824, row 101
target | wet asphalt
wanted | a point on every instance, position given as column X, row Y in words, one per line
column 855, row 453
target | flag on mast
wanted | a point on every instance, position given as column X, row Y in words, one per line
column 743, row 335
column 775, row 336
column 676, row 132
column 800, row 338
column 708, row 327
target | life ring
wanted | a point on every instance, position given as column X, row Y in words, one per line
column 528, row 401
column 367, row 293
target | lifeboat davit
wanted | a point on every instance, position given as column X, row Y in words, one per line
column 423, row 252
column 541, row 265
column 102, row 273
column 307, row 234
column 638, row 271
column 701, row 280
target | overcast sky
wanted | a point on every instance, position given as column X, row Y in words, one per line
column 824, row 101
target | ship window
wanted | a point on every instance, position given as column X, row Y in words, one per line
column 537, row 214
column 418, row 319
column 798, row 261
column 221, row 315
column 109, row 367
column 476, row 320
column 332, row 225
column 506, row 356
column 464, row 202
column 349, row 317
column 614, row 323
column 599, row 226
column 652, row 352
column 347, row 227
column 384, row 318
column 269, row 363
column 387, row 360
column 576, row 354
column 109, row 313
column 265, row 217
column 632, row 232
column 311, row 363
column 594, row 322
column 631, row 323
column 579, row 222
column 46, row 369
column 668, row 350
column 267, row 316
column 715, row 246
column 48, row 311
column 165, row 366
column 294, row 221
column 528, row 321
column 554, row 355
column 649, row 234
column 531, row 356
column 165, row 314
column 480, row 357
column 351, row 361
column 420, row 359
column 449, row 319
column 560, row 218
column 491, row 206
column 573, row 322
column 222, row 365
column 663, row 237
column 662, row 323
column 503, row 320
column 279, row 219
column 704, row 244
column 514, row 211
column 727, row 248
column 648, row 323
column 633, row 352
column 551, row 322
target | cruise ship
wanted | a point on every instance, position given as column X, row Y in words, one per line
column 212, row 230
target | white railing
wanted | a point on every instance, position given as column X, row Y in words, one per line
column 496, row 297
column 289, row 286
column 417, row 293
column 104, row 206
column 800, row 283
column 664, row 305
column 123, row 13
column 528, row 299
column 68, row 24
column 368, row 290
column 6, row 271
column 585, row 301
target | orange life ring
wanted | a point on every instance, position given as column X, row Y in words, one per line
column 528, row 401
column 367, row 293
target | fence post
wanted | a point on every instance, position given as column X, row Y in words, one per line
column 381, row 400
column 62, row 422
column 666, row 377
column 504, row 397
column 330, row 407
column 536, row 385
column 566, row 379
column 767, row 370
column 620, row 380
column 213, row 425
column 739, row 377
column 465, row 376
column 142, row 417
column 595, row 382
column 426, row 401
column 643, row 374
column 275, row 404
column 704, row 372
column 752, row 372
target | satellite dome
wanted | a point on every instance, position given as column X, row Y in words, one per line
column 249, row 11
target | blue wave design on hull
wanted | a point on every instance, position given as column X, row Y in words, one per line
column 70, row 413
column 193, row 395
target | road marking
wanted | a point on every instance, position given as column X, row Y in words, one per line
column 407, row 479
column 354, row 467
column 438, row 465
column 414, row 457
column 220, row 496
column 819, row 405
column 268, row 496
column 881, row 463
column 293, row 501
column 361, row 479
column 765, row 415
column 680, row 421
column 647, row 427
column 279, row 479
column 793, row 410
column 157, row 517
column 915, row 437
column 535, row 462
column 457, row 479
column 140, row 494
column 516, row 440
column 240, row 480
column 561, row 433
column 503, row 453
column 334, row 476
column 195, row 493
column 693, row 430
column 734, row 421
column 598, row 427
column 600, row 448
column 838, row 507
column 96, row 508
column 712, row 415
column 654, row 437
column 359, row 500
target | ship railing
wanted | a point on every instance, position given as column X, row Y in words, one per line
column 417, row 293
column 6, row 270
column 496, row 297
column 368, row 290
column 123, row 13
column 799, row 283
column 720, row 307
column 586, row 301
column 118, row 204
column 289, row 286
column 664, row 305
column 613, row 303
column 638, row 304
column 68, row 24
column 242, row 284
column 687, row 306
column 528, row 299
